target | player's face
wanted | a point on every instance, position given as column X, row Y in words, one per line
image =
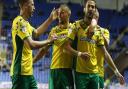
column 89, row 9
column 30, row 7
column 63, row 15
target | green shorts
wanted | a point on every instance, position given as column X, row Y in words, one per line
column 86, row 80
column 23, row 82
column 101, row 82
column 61, row 79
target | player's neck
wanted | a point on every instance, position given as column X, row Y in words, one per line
column 24, row 15
column 64, row 24
column 87, row 21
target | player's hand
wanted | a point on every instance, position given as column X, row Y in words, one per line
column 120, row 78
column 84, row 55
column 54, row 14
column 91, row 28
column 53, row 38
column 93, row 22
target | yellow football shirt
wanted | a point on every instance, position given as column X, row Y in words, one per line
column 22, row 54
column 86, row 44
column 60, row 57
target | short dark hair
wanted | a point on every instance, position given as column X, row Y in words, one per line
column 85, row 1
column 21, row 2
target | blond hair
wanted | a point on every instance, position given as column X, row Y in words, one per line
column 66, row 8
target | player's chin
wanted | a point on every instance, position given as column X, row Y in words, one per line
column 64, row 19
column 90, row 15
column 31, row 15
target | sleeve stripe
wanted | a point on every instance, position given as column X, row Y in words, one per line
column 26, row 37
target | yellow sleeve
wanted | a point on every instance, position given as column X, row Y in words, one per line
column 22, row 30
column 33, row 29
column 106, row 34
column 51, row 32
column 100, row 41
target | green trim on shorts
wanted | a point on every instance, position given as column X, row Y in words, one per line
column 23, row 82
column 61, row 79
column 101, row 82
column 86, row 80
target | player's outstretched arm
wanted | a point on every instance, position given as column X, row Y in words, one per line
column 32, row 44
column 41, row 53
column 45, row 48
column 43, row 27
column 113, row 66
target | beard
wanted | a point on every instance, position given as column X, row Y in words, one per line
column 63, row 21
column 90, row 15
column 31, row 13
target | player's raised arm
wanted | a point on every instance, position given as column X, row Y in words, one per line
column 43, row 27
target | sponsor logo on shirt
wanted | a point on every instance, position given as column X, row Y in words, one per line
column 62, row 36
column 87, row 39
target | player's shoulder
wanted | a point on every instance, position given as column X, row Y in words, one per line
column 71, row 25
column 77, row 23
column 102, row 28
column 105, row 30
column 19, row 21
column 55, row 28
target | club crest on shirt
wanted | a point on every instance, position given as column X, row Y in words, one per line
column 23, row 29
column 69, row 31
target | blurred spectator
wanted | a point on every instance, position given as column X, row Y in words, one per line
column 15, row 2
column 3, row 58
